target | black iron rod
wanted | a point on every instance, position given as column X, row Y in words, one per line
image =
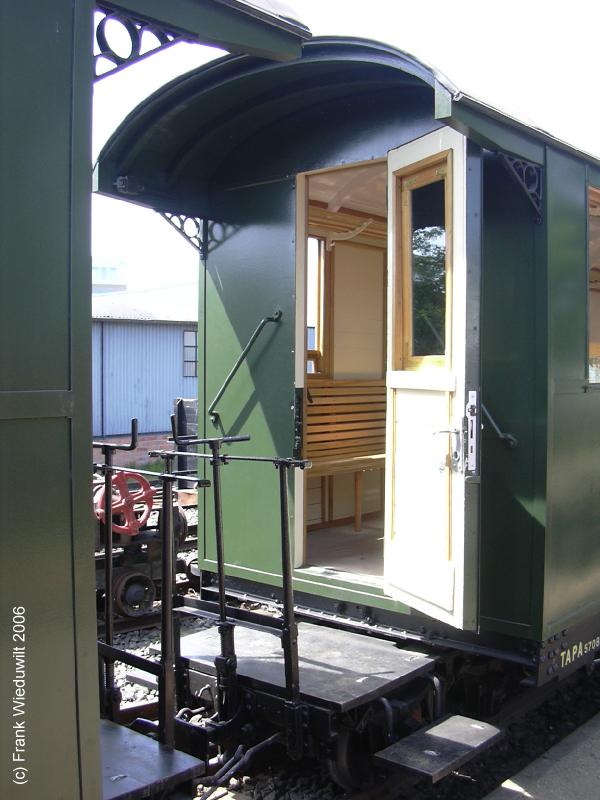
column 224, row 457
column 170, row 475
column 216, row 471
column 109, row 667
column 510, row 439
column 112, row 654
column 166, row 696
column 132, row 443
column 290, row 628
column 226, row 663
column 242, row 357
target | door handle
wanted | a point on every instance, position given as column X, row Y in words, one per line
column 456, row 448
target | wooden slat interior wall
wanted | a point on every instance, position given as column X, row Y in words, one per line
column 346, row 419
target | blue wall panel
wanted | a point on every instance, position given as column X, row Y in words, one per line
column 137, row 372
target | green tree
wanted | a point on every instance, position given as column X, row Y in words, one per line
column 429, row 290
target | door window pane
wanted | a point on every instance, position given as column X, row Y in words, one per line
column 428, row 270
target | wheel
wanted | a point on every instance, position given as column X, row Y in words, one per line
column 134, row 594
column 352, row 767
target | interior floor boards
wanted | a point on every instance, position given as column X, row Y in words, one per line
column 342, row 548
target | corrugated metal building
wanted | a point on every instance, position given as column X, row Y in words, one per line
column 140, row 364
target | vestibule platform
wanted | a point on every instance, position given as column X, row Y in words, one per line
column 338, row 669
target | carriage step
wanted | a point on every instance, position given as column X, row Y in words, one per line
column 435, row 751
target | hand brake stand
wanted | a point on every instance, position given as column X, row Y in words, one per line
column 110, row 695
column 170, row 678
column 226, row 662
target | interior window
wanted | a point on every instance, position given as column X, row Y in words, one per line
column 424, row 256
column 594, row 286
column 316, row 301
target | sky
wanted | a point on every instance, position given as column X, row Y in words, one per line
column 536, row 60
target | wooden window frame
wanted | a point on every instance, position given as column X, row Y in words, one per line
column 321, row 356
column 422, row 173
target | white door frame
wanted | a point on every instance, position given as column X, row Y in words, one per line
column 300, row 355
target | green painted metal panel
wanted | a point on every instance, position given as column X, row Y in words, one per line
column 35, row 519
column 572, row 562
column 35, row 201
column 29, row 405
column 237, row 30
column 45, row 426
column 250, row 275
column 511, row 526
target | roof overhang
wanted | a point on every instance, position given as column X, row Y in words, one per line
column 164, row 153
column 168, row 150
column 262, row 28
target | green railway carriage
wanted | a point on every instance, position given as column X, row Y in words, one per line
column 423, row 248
column 412, row 278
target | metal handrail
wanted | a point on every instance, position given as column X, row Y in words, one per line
column 274, row 318
column 508, row 438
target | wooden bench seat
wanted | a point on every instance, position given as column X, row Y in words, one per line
column 345, row 430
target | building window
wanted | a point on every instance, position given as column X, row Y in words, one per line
column 317, row 307
column 190, row 354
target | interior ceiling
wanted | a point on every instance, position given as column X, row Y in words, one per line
column 362, row 189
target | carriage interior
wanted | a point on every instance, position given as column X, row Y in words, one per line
column 345, row 397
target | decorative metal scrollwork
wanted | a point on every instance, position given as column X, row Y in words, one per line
column 144, row 37
column 202, row 234
column 529, row 178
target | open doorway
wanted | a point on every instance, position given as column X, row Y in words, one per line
column 344, row 308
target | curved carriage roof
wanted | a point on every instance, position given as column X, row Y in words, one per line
column 171, row 145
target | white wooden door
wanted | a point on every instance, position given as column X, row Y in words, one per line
column 430, row 564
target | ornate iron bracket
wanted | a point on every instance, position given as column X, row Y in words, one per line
column 202, row 234
column 529, row 178
column 145, row 38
